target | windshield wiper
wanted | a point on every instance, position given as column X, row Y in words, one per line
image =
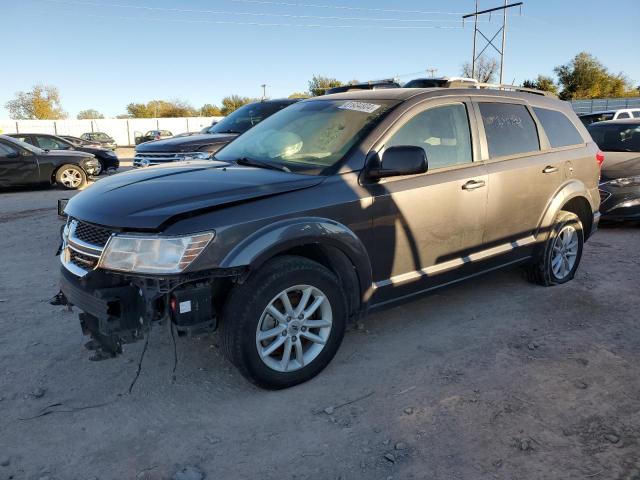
column 230, row 131
column 253, row 162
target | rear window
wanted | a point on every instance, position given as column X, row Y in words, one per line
column 559, row 129
column 509, row 129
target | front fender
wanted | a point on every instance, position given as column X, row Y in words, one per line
column 284, row 235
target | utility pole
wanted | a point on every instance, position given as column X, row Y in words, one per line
column 432, row 72
column 489, row 42
column 264, row 90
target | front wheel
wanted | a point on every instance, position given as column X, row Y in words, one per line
column 285, row 323
column 562, row 252
column 71, row 177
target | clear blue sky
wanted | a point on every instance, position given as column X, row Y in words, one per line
column 103, row 54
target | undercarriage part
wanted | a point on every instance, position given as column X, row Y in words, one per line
column 191, row 309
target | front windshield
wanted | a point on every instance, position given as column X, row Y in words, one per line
column 246, row 117
column 308, row 137
column 616, row 138
column 27, row 146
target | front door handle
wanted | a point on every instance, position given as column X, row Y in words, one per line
column 550, row 169
column 473, row 184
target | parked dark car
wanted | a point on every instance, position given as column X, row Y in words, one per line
column 24, row 164
column 330, row 208
column 620, row 180
column 202, row 146
column 442, row 82
column 153, row 135
column 102, row 138
column 79, row 142
column 373, row 85
column 108, row 159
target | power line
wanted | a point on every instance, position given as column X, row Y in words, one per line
column 259, row 24
column 253, row 14
column 342, row 7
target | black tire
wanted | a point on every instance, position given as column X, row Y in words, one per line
column 246, row 303
column 542, row 272
column 62, row 177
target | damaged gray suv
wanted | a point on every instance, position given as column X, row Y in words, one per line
column 330, row 208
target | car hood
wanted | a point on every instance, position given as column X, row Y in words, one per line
column 146, row 199
column 624, row 168
column 185, row 144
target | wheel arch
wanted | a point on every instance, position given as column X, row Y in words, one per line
column 325, row 241
column 574, row 197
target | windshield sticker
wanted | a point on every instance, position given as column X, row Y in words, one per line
column 360, row 107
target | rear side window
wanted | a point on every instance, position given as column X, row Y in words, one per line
column 509, row 129
column 636, row 114
column 624, row 115
column 559, row 129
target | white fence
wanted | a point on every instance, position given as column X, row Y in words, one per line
column 123, row 131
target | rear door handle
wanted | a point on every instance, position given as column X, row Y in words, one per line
column 473, row 184
column 550, row 169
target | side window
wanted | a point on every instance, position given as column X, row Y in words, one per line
column 624, row 115
column 559, row 129
column 443, row 132
column 6, row 150
column 509, row 128
column 48, row 143
column 25, row 139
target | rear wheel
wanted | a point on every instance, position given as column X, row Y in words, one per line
column 71, row 177
column 562, row 252
column 285, row 324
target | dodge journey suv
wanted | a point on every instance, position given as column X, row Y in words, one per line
column 330, row 208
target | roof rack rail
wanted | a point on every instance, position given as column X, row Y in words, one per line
column 515, row 88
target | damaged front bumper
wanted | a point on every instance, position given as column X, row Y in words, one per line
column 118, row 309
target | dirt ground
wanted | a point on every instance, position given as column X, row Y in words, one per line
column 492, row 379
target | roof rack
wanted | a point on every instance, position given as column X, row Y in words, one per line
column 514, row 88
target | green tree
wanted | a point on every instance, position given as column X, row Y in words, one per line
column 299, row 95
column 233, row 102
column 161, row 109
column 318, row 85
column 210, row 110
column 542, row 82
column 585, row 77
column 89, row 114
column 485, row 69
column 41, row 103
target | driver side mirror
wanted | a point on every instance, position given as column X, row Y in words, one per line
column 400, row 160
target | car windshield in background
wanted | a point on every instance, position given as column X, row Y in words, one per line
column 98, row 136
column 308, row 137
column 616, row 137
column 596, row 117
column 246, row 117
column 27, row 146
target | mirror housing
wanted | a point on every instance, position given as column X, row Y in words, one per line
column 400, row 160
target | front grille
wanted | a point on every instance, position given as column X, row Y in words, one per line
column 92, row 234
column 82, row 261
column 153, row 158
column 83, row 245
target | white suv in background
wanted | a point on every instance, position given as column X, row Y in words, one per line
column 589, row 118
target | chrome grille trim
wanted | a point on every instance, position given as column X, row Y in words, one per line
column 75, row 250
column 154, row 158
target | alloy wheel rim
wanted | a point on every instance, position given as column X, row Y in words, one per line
column 71, row 178
column 294, row 328
column 565, row 252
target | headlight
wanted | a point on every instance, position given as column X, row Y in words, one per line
column 625, row 182
column 197, row 156
column 147, row 254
